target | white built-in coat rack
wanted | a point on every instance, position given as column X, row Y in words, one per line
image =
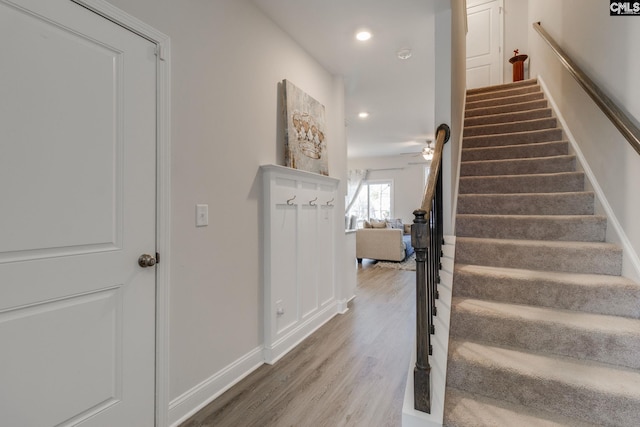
column 299, row 272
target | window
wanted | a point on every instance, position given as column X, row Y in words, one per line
column 373, row 201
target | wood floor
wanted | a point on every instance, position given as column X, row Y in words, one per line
column 351, row 372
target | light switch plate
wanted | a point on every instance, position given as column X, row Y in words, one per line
column 202, row 215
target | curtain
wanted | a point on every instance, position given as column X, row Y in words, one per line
column 355, row 179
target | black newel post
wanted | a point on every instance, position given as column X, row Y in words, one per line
column 422, row 371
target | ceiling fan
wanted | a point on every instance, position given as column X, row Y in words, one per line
column 426, row 152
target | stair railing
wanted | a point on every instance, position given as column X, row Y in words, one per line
column 427, row 234
column 618, row 117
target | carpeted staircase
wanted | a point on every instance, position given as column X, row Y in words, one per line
column 544, row 330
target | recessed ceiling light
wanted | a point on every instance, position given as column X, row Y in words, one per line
column 363, row 115
column 363, row 35
column 404, row 53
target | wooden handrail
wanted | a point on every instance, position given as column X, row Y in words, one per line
column 426, row 239
column 442, row 136
column 618, row 117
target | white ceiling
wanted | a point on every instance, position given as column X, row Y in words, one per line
column 398, row 94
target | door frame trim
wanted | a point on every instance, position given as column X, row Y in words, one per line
column 163, row 190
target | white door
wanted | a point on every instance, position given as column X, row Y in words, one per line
column 484, row 40
column 77, row 208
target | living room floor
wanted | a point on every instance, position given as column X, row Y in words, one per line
column 350, row 372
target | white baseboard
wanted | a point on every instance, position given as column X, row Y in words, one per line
column 190, row 402
column 193, row 400
column 615, row 232
column 273, row 353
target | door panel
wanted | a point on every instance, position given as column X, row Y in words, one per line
column 90, row 76
column 484, row 66
column 81, row 337
column 77, row 179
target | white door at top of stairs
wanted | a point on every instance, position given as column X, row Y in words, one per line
column 78, row 186
column 484, row 43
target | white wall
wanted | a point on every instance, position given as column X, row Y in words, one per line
column 443, row 101
column 605, row 47
column 227, row 62
column 408, row 180
column 458, row 90
column 516, row 34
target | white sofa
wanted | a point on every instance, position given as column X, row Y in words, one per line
column 383, row 244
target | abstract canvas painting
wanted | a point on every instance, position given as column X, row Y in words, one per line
column 305, row 137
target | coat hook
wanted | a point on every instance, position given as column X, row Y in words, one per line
column 290, row 201
column 311, row 202
column 330, row 201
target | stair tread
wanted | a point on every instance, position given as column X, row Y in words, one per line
column 583, row 374
column 499, row 118
column 505, row 100
column 502, row 86
column 550, row 164
column 524, row 175
column 584, row 279
column 526, row 159
column 527, row 182
column 593, row 293
column 541, row 227
column 540, row 243
column 526, row 194
column 593, row 218
column 511, row 134
column 465, row 409
column 603, row 338
column 501, row 92
column 568, row 256
column 519, row 132
column 513, row 123
column 497, row 147
column 498, row 109
column 592, row 391
column 516, row 151
column 582, row 228
column 614, row 325
column 577, row 202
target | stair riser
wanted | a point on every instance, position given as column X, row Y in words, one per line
column 552, row 183
column 527, row 204
column 523, row 126
column 519, row 167
column 502, row 87
column 509, row 108
column 503, row 93
column 587, row 229
column 508, row 117
column 546, row 135
column 558, row 397
column 505, row 101
column 603, row 259
column 546, row 337
column 544, row 149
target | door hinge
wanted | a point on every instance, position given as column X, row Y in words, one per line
column 500, row 9
column 160, row 52
column 157, row 258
